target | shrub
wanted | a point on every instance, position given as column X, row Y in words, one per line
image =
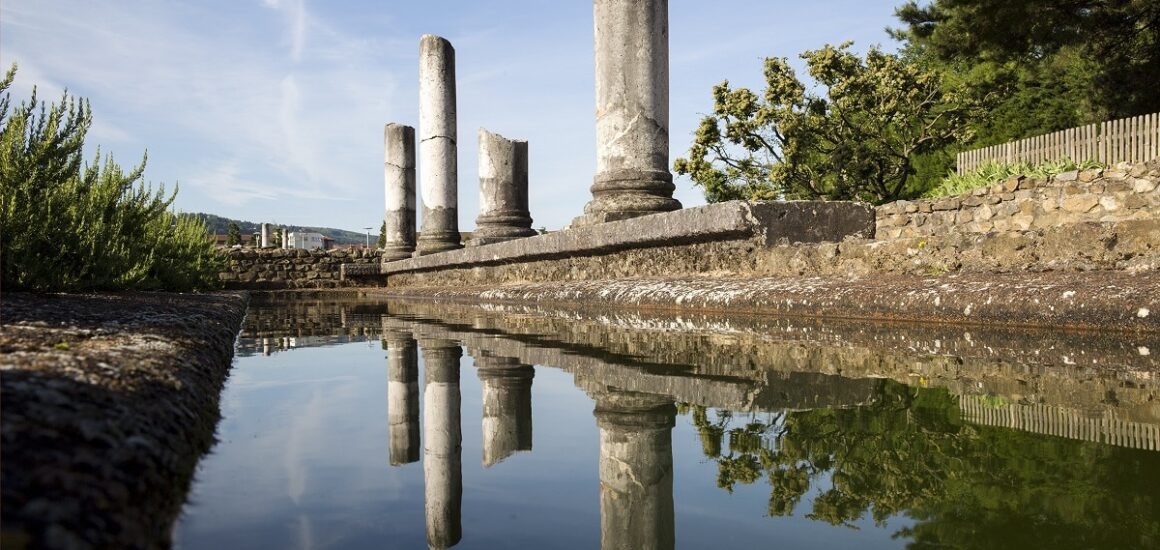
column 69, row 225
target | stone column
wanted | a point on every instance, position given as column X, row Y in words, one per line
column 632, row 112
column 636, row 470
column 402, row 397
column 437, row 146
column 507, row 405
column 399, row 176
column 503, row 190
column 442, row 436
column 265, row 235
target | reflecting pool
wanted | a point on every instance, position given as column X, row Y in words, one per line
column 350, row 422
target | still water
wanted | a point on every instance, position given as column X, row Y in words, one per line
column 355, row 423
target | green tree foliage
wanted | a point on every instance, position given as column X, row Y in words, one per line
column 1052, row 65
column 966, row 486
column 69, row 225
column 233, row 234
column 858, row 141
column 383, row 235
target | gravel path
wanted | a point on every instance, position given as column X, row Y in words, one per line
column 107, row 401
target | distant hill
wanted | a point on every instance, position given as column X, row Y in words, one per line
column 220, row 226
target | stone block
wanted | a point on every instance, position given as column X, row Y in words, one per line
column 972, row 201
column 984, row 213
column 1141, row 185
column 1012, row 183
column 1089, row 175
column 925, row 207
column 1049, row 204
column 1110, row 203
column 964, row 216
column 1029, row 183
column 1022, row 222
column 950, row 203
column 1007, row 196
column 1072, row 175
column 1080, row 203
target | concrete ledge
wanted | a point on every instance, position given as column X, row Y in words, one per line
column 766, row 223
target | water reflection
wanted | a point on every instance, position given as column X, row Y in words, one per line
column 935, row 436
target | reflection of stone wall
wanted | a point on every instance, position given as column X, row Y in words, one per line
column 1021, row 203
column 250, row 269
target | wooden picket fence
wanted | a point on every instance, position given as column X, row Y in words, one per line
column 1135, row 139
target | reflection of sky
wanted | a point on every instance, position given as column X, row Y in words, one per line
column 303, row 463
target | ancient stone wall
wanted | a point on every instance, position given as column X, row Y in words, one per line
column 269, row 269
column 1020, row 203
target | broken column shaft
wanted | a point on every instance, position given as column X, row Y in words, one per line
column 437, row 146
column 399, row 184
column 632, row 111
column 503, row 190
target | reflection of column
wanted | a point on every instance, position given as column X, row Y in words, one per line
column 442, row 436
column 636, row 470
column 402, row 397
column 507, row 406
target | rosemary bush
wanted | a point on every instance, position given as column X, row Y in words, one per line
column 67, row 225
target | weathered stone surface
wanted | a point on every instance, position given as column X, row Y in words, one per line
column 109, row 401
column 438, row 147
column 503, row 190
column 272, row 269
column 399, row 184
column 632, row 112
column 757, row 223
column 443, row 437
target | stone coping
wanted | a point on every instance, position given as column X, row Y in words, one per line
column 767, row 222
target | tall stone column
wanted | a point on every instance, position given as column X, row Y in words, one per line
column 503, row 190
column 402, row 397
column 507, row 405
column 265, row 243
column 399, row 182
column 636, row 470
column 443, row 437
column 632, row 112
column 285, row 238
column 437, row 146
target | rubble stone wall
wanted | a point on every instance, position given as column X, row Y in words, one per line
column 270, row 269
column 1125, row 193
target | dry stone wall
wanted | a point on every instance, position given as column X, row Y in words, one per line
column 1125, row 193
column 250, row 269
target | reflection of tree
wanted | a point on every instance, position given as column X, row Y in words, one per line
column 967, row 486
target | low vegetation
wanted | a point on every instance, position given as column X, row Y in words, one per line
column 68, row 225
column 993, row 172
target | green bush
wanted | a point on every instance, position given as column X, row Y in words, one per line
column 992, row 172
column 66, row 225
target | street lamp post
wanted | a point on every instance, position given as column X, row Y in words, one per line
column 368, row 247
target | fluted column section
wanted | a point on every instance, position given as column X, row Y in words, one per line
column 442, row 436
column 399, row 184
column 507, row 405
column 636, row 470
column 439, row 168
column 402, row 397
column 632, row 111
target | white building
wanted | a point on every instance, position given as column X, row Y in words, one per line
column 306, row 241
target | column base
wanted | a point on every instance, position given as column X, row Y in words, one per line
column 501, row 227
column 397, row 252
column 628, row 193
column 440, row 242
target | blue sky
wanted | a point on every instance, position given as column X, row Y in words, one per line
column 273, row 110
